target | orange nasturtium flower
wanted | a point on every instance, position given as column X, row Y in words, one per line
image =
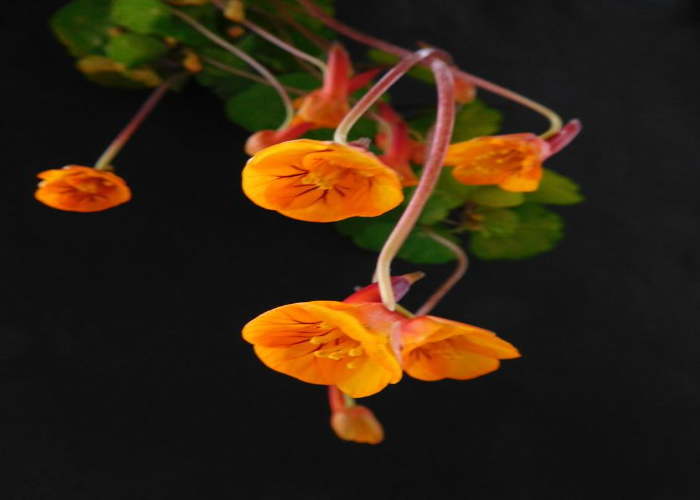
column 513, row 162
column 81, row 189
column 436, row 348
column 329, row 343
column 319, row 181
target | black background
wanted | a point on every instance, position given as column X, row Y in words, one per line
column 123, row 372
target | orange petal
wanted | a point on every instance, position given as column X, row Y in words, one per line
column 436, row 348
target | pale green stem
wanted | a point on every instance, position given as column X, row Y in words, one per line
column 105, row 160
column 284, row 45
column 437, row 150
column 248, row 76
column 391, row 77
column 457, row 274
column 271, row 79
column 555, row 122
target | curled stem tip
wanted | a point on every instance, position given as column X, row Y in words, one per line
column 457, row 274
column 264, row 72
column 384, row 83
column 331, row 22
column 436, row 151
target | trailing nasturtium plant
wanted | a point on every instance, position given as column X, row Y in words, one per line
column 327, row 145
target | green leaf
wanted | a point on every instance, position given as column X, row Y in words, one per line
column 140, row 16
column 153, row 17
column 82, row 26
column 498, row 222
column 371, row 233
column 134, row 50
column 493, row 196
column 555, row 189
column 447, row 195
column 538, row 230
column 475, row 120
column 259, row 107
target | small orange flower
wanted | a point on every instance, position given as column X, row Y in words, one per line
column 81, row 189
column 319, row 181
column 436, row 348
column 513, row 162
column 329, row 343
column 357, row 423
column 465, row 91
column 328, row 105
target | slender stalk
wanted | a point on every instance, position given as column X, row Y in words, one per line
column 555, row 122
column 554, row 119
column 437, row 149
column 104, row 161
column 284, row 16
column 284, row 45
column 457, row 274
column 391, row 76
column 245, row 74
column 271, row 79
column 346, row 30
column 338, row 400
column 405, row 312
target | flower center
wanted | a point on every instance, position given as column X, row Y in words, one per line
column 498, row 160
column 93, row 185
column 448, row 349
column 335, row 345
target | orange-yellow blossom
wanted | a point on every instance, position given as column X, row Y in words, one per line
column 319, row 181
column 329, row 343
column 513, row 162
column 81, row 189
column 436, row 348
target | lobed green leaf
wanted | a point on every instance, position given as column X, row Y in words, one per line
column 370, row 233
column 259, row 107
column 133, row 50
column 82, row 26
column 555, row 189
column 537, row 230
column 493, row 196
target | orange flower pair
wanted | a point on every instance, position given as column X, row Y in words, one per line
column 81, row 189
column 354, row 345
column 319, row 181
